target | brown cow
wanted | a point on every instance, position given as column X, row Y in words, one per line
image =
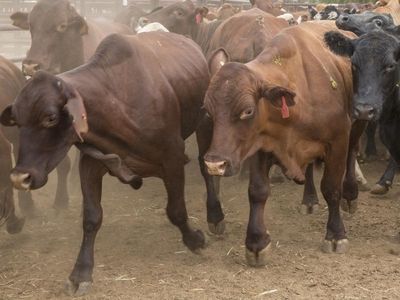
column 245, row 35
column 186, row 19
column 269, row 6
column 61, row 38
column 391, row 7
column 11, row 82
column 291, row 105
column 128, row 110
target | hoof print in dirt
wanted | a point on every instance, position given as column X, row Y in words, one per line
column 14, row 227
column 77, row 290
column 195, row 241
column 333, row 246
column 217, row 229
column 349, row 206
column 305, row 209
column 379, row 189
column 259, row 259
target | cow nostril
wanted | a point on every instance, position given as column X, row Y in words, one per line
column 21, row 181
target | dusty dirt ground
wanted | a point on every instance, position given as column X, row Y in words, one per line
column 139, row 255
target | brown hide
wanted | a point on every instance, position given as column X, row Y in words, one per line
column 134, row 86
column 269, row 6
column 295, row 60
column 245, row 35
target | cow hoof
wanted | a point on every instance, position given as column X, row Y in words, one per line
column 194, row 240
column 363, row 187
column 328, row 246
column 77, row 290
column 306, row 209
column 217, row 229
column 259, row 259
column 349, row 206
column 14, row 227
column 340, row 246
column 379, row 189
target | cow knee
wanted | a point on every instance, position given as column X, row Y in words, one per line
column 92, row 220
column 258, row 192
column 176, row 216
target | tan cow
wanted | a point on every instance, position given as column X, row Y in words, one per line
column 289, row 106
column 391, row 7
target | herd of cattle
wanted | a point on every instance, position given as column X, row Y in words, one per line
column 251, row 86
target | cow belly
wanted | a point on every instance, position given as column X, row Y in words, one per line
column 141, row 167
column 295, row 158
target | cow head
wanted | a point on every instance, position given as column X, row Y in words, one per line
column 243, row 108
column 365, row 22
column 178, row 17
column 51, row 117
column 374, row 58
column 56, row 29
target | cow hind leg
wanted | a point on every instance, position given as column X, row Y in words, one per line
column 62, row 199
column 174, row 181
column 310, row 201
column 91, row 173
column 331, row 187
column 257, row 237
column 215, row 215
column 386, row 181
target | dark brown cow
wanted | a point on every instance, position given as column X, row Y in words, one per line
column 61, row 38
column 128, row 110
column 11, row 82
column 186, row 19
column 245, row 35
column 272, row 110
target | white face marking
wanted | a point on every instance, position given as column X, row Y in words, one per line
column 221, row 63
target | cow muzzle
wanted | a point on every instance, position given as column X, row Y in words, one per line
column 30, row 69
column 21, row 181
column 216, row 168
column 364, row 112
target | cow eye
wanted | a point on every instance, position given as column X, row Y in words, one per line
column 247, row 113
column 62, row 27
column 50, row 121
column 378, row 23
column 390, row 68
column 179, row 13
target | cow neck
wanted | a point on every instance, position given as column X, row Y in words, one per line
column 391, row 104
column 203, row 32
column 75, row 56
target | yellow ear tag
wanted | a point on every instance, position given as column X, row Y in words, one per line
column 333, row 83
column 277, row 60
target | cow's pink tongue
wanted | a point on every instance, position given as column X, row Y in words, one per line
column 284, row 108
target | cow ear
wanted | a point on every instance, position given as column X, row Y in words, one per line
column 395, row 30
column 7, row 117
column 199, row 14
column 276, row 94
column 20, row 19
column 339, row 44
column 75, row 108
column 218, row 58
column 74, row 19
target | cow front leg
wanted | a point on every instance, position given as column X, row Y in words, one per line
column 350, row 185
column 310, row 201
column 215, row 215
column 257, row 237
column 331, row 188
column 174, row 181
column 62, row 198
column 91, row 174
column 13, row 224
